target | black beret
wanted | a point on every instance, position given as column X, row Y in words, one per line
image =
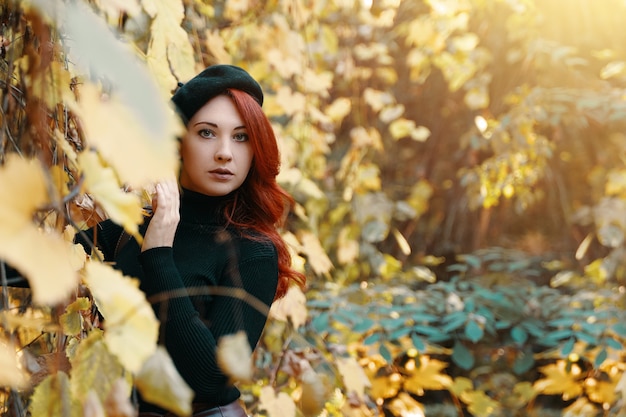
column 212, row 82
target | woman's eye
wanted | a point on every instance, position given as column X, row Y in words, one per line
column 205, row 133
column 241, row 137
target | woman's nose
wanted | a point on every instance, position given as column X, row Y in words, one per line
column 224, row 152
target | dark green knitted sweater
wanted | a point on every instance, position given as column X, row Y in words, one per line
column 204, row 255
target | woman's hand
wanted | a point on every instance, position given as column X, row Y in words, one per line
column 165, row 217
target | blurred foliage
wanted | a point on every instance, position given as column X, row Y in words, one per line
column 459, row 172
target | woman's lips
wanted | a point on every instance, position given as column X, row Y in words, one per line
column 221, row 174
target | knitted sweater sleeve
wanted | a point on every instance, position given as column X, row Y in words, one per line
column 191, row 339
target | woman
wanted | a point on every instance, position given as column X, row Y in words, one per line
column 218, row 232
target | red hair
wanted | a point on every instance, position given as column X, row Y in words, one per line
column 261, row 204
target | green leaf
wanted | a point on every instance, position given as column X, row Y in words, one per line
column 320, row 322
column 462, row 356
column 418, row 342
column 363, row 325
column 400, row 333
column 519, row 335
column 473, row 331
column 555, row 337
column 601, row 357
column 523, row 362
column 431, row 332
column 384, row 352
column 454, row 321
column 568, row 347
column 371, row 339
column 585, row 337
column 620, row 329
column 613, row 343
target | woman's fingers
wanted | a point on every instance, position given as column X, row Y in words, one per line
column 165, row 217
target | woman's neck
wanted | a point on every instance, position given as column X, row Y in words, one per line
column 200, row 208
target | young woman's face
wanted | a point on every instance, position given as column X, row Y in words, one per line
column 216, row 152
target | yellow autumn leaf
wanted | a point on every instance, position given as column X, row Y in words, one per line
column 316, row 83
column 43, row 257
column 131, row 327
column 94, row 367
column 385, row 386
column 314, row 391
column 339, row 109
column 93, row 46
column 92, row 406
column 401, row 128
column 405, row 405
column 280, row 405
column 560, row 380
column 118, row 402
column 11, row 375
column 234, row 356
column 377, row 99
column 347, row 247
column 285, row 65
column 354, row 378
column 52, row 397
column 235, row 9
column 216, row 46
column 601, row 391
column 317, row 258
column 137, row 155
column 477, row 98
column 170, row 48
column 159, row 383
column 427, row 375
column 100, row 182
column 71, row 321
column 393, row 112
column 291, row 307
column 420, row 134
column 292, row 102
column 620, row 387
column 479, row 403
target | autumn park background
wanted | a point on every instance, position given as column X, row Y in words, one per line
column 459, row 168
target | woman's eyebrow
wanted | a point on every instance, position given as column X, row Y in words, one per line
column 216, row 126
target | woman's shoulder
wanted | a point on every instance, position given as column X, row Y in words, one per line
column 256, row 245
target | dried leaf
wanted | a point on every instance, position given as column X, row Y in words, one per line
column 311, row 246
column 428, row 375
column 560, row 380
column 53, row 398
column 94, row 368
column 10, row 373
column 138, row 156
column 100, row 181
column 291, row 307
column 131, row 327
column 44, row 258
column 353, row 375
column 170, row 49
column 159, row 383
column 92, row 406
column 339, row 109
column 118, row 402
column 314, row 391
column 280, row 405
column 234, row 356
column 71, row 321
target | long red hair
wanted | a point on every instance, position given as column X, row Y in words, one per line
column 261, row 204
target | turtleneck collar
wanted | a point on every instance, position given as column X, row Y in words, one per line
column 201, row 208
